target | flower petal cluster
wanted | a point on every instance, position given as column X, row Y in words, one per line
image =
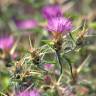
column 59, row 24
column 26, row 24
column 51, row 11
column 48, row 67
column 33, row 92
column 6, row 42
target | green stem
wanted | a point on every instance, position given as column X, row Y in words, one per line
column 72, row 37
column 59, row 59
column 69, row 66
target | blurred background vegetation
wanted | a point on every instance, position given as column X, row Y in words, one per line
column 77, row 10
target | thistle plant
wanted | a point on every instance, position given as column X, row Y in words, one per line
column 59, row 26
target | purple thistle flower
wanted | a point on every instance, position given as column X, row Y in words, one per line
column 6, row 42
column 33, row 92
column 26, row 24
column 59, row 25
column 51, row 11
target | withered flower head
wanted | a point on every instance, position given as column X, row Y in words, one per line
column 35, row 55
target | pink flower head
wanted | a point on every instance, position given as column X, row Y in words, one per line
column 51, row 11
column 33, row 92
column 26, row 24
column 24, row 93
column 48, row 67
column 6, row 42
column 59, row 25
